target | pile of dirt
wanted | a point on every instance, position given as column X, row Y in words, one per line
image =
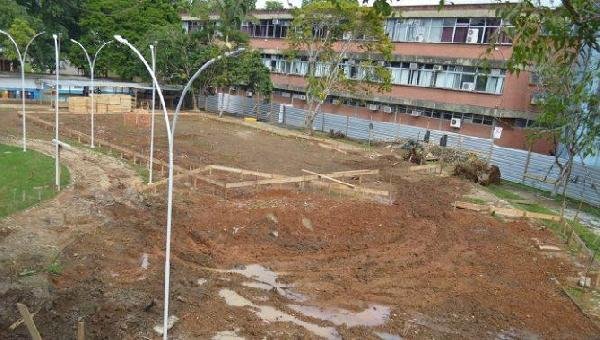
column 478, row 171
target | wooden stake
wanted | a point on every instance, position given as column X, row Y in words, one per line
column 80, row 330
column 28, row 319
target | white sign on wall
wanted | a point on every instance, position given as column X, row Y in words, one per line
column 497, row 132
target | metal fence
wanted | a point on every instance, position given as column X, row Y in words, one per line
column 532, row 169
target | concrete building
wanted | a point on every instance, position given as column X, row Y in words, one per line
column 439, row 80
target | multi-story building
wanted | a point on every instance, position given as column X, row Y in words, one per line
column 439, row 78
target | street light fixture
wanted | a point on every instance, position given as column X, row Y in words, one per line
column 22, row 61
column 170, row 126
column 92, row 64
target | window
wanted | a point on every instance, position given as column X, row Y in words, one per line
column 267, row 28
column 447, row 30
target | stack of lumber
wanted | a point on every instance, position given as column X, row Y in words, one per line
column 113, row 103
column 105, row 103
column 79, row 104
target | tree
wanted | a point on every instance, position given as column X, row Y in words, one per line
column 137, row 21
column 272, row 5
column 21, row 32
column 330, row 35
column 561, row 44
column 232, row 14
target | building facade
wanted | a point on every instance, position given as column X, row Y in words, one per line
column 439, row 78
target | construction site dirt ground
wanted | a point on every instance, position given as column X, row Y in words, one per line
column 346, row 267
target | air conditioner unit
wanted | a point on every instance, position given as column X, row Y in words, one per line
column 413, row 66
column 473, row 36
column 420, row 38
column 455, row 122
column 275, row 21
column 381, row 63
column 387, row 109
column 467, row 86
column 335, row 102
column 299, row 96
column 415, row 113
column 347, row 36
column 373, row 107
column 495, row 72
column 438, row 67
column 286, row 94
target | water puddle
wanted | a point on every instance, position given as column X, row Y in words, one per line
column 227, row 335
column 388, row 336
column 266, row 279
column 375, row 315
column 270, row 314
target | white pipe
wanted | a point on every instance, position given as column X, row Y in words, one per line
column 56, row 146
column 170, row 136
column 151, row 164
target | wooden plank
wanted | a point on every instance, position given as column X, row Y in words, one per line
column 471, row 206
column 329, row 178
column 340, row 187
column 299, row 179
column 506, row 212
column 427, row 167
column 28, row 319
column 542, row 216
column 243, row 171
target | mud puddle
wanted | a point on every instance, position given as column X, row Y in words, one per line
column 374, row 315
column 271, row 314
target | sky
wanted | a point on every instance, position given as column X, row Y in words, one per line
column 261, row 3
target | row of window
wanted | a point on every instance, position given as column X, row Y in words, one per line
column 447, row 30
column 453, row 77
column 414, row 111
column 271, row 28
column 429, row 30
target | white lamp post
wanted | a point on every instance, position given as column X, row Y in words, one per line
column 151, row 163
column 92, row 64
column 170, row 135
column 56, row 145
column 22, row 61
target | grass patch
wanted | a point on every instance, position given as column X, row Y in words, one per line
column 55, row 268
column 27, row 178
column 572, row 203
column 536, row 208
column 474, row 200
column 501, row 192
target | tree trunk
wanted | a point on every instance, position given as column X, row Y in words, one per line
column 194, row 100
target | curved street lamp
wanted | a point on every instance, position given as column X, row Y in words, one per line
column 170, row 136
column 92, row 64
column 22, row 61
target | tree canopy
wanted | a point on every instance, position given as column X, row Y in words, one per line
column 272, row 5
column 344, row 44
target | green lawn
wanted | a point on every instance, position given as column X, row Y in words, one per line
column 26, row 178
